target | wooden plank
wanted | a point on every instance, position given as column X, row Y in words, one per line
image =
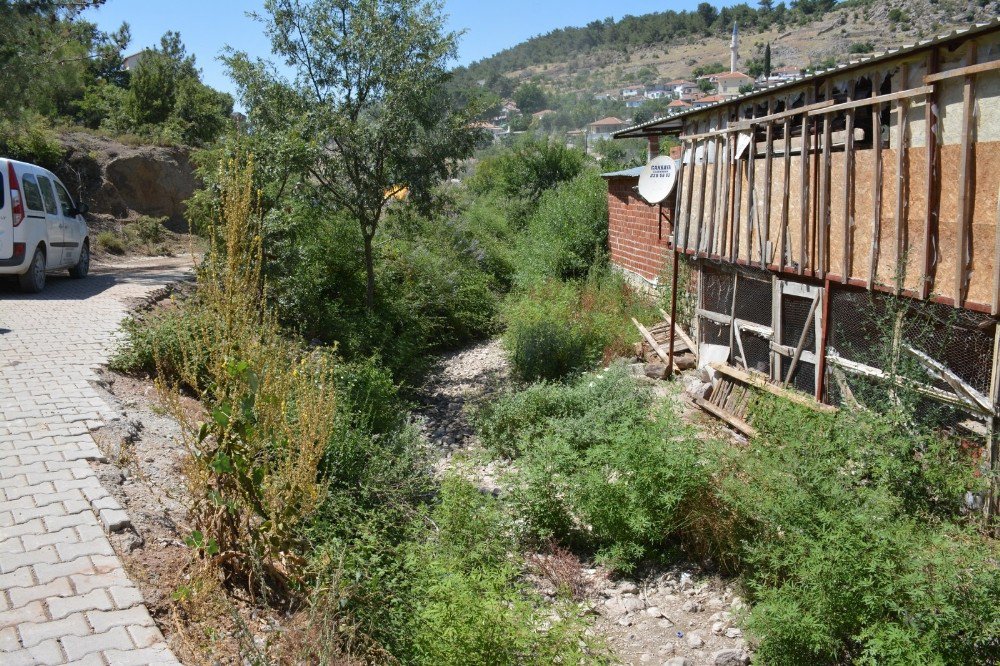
column 648, row 337
column 768, row 150
column 995, row 310
column 678, row 196
column 880, row 99
column 802, row 338
column 751, row 190
column 689, row 200
column 964, row 167
column 848, row 249
column 919, row 387
column 731, row 419
column 737, row 210
column 933, row 126
column 739, row 343
column 680, row 332
column 760, row 381
column 941, row 371
column 727, row 239
column 723, row 131
column 782, row 241
column 804, row 192
column 823, row 212
column 876, row 195
column 902, row 185
column 712, row 200
column 968, row 70
column 750, row 122
column 717, row 317
column 701, row 199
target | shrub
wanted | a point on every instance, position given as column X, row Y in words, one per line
column 557, row 328
column 567, row 234
column 31, row 139
column 849, row 530
column 111, row 242
column 595, row 469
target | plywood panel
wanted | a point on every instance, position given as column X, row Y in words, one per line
column 984, row 216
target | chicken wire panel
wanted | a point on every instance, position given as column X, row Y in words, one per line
column 713, row 333
column 794, row 311
column 717, row 290
column 804, row 378
column 757, row 351
column 753, row 300
column 863, row 324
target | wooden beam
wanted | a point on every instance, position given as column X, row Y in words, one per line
column 768, row 149
column 968, row 70
column 876, row 195
column 995, row 308
column 804, row 193
column 824, row 336
column 737, row 209
column 739, row 343
column 964, row 167
column 648, row 337
column 760, row 381
column 880, row 99
column 941, row 371
column 678, row 196
column 730, row 196
column 707, row 135
column 902, row 185
column 731, row 419
column 701, row 198
column 710, row 241
column 933, row 127
column 809, row 323
column 751, row 191
column 848, row 249
column 823, row 212
column 680, row 331
column 689, row 200
column 750, row 122
column 782, row 241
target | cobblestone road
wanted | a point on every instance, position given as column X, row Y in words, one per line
column 64, row 595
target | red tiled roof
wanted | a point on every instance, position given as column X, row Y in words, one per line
column 610, row 120
column 678, row 103
column 733, row 75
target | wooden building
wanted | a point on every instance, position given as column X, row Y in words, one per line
column 804, row 205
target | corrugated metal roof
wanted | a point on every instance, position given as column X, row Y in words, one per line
column 634, row 172
column 889, row 54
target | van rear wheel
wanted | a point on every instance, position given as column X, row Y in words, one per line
column 33, row 281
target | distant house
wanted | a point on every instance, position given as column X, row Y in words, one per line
column 606, row 95
column 603, row 129
column 130, row 62
column 633, row 91
column 510, row 107
column 678, row 105
column 538, row 115
column 634, row 103
column 729, row 83
column 786, row 73
column 657, row 92
column 496, row 131
column 682, row 88
column 709, row 99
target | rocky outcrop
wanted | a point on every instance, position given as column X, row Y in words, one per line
column 122, row 181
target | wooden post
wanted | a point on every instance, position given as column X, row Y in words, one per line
column 902, row 184
column 823, row 214
column 737, row 209
column 730, row 196
column 678, row 195
column 701, row 197
column 995, row 310
column 848, row 187
column 673, row 314
column 802, row 338
column 689, row 199
column 768, row 149
column 933, row 182
column 992, row 457
column 710, row 242
column 876, row 195
column 824, row 334
column 784, row 195
column 965, row 164
column 804, row 190
column 751, row 171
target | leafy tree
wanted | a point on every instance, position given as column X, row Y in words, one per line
column 530, row 98
column 368, row 112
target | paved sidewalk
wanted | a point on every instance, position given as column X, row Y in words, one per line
column 64, row 595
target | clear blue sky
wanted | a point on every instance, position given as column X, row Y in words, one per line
column 207, row 26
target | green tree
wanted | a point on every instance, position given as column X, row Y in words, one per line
column 530, row 97
column 368, row 108
column 767, row 60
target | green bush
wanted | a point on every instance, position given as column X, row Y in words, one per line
column 567, row 235
column 595, row 469
column 31, row 139
column 111, row 242
column 852, row 543
column 555, row 329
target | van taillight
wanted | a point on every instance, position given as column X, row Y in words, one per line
column 15, row 195
column 18, row 251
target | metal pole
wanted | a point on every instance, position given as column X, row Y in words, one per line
column 673, row 314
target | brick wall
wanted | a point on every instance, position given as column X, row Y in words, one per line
column 638, row 242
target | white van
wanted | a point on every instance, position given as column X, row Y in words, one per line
column 41, row 229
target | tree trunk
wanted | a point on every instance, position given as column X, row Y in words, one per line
column 370, row 271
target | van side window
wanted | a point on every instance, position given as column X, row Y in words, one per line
column 32, row 195
column 67, row 203
column 50, row 199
